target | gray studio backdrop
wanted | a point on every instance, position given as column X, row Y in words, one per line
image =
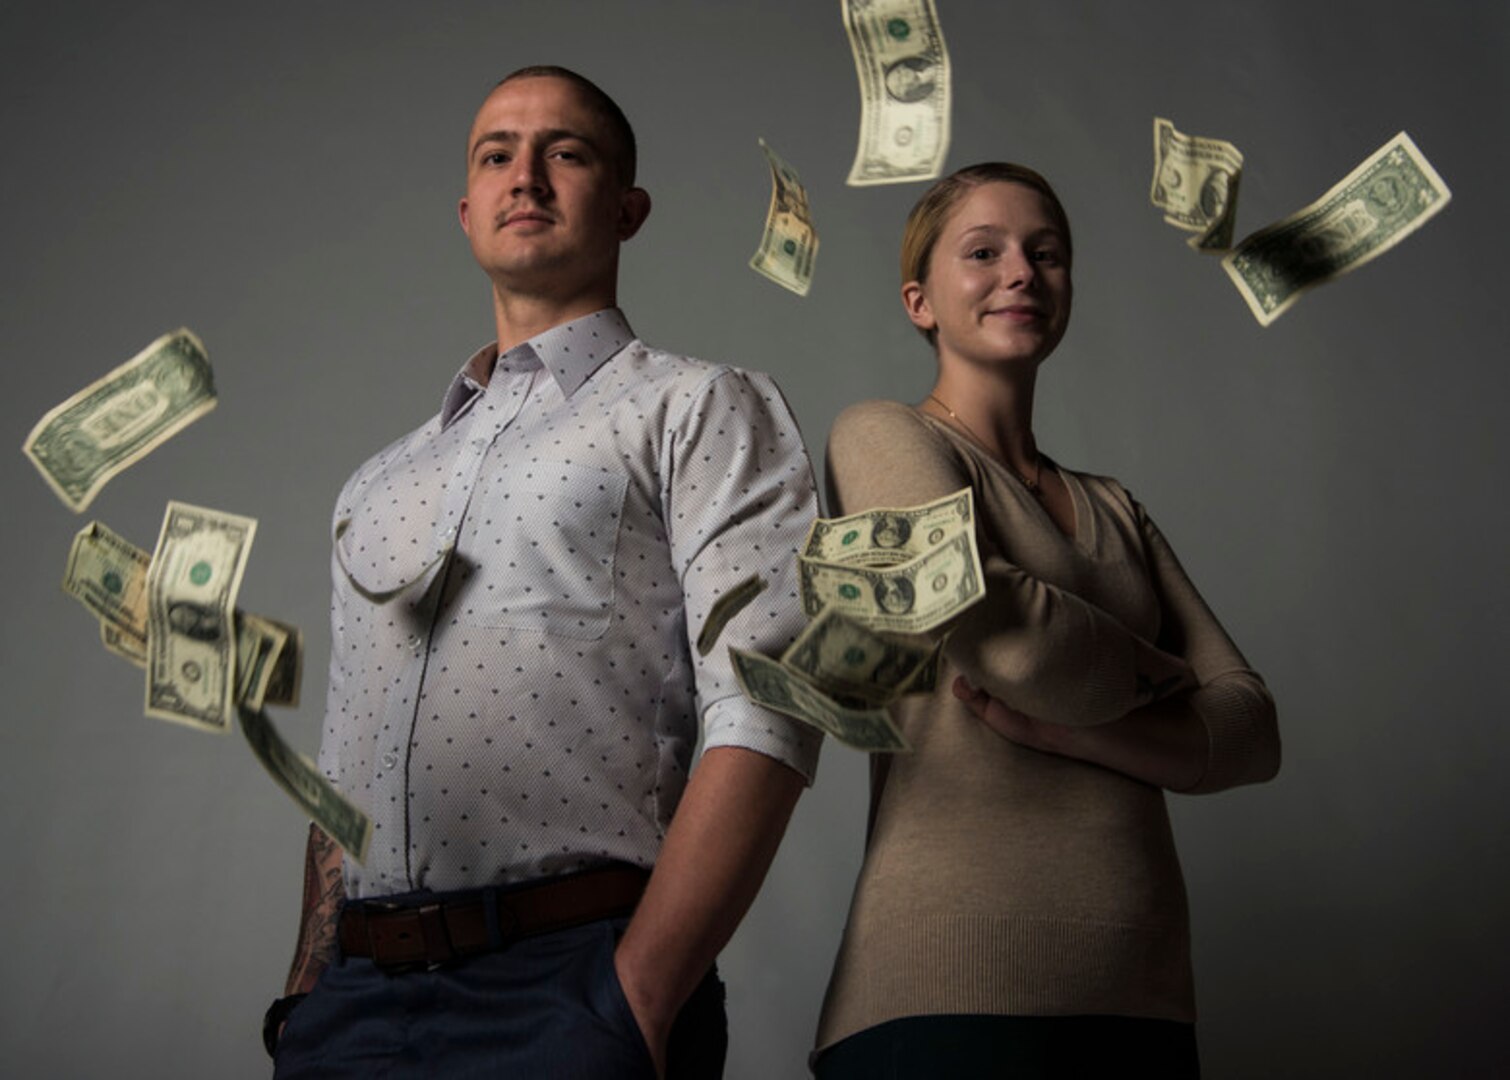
column 283, row 177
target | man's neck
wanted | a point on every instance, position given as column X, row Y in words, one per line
column 521, row 317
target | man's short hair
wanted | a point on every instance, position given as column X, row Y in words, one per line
column 603, row 106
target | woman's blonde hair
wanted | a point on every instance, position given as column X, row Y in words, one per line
column 926, row 221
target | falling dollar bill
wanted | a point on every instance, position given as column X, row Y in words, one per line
column 853, row 664
column 191, row 595
column 1195, row 183
column 288, row 669
column 927, row 678
column 303, row 782
column 766, row 682
column 277, row 683
column 259, row 643
column 907, row 598
column 886, row 536
column 789, row 243
column 904, row 90
column 108, row 575
column 725, row 608
column 1373, row 208
column 123, row 644
column 122, row 417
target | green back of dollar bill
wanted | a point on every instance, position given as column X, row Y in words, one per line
column 122, row 417
column 1372, row 209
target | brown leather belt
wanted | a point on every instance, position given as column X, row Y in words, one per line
column 453, row 926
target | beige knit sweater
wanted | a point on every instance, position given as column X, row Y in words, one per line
column 999, row 879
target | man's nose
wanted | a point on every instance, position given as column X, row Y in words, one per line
column 529, row 175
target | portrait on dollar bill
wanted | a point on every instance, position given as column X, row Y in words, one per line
column 890, row 531
column 895, row 595
column 910, row 79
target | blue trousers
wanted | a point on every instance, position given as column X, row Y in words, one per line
column 545, row 1007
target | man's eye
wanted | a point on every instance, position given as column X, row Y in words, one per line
column 566, row 155
column 496, row 157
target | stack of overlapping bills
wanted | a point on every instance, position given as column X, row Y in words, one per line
column 874, row 585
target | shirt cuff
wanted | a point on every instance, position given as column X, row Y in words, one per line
column 735, row 721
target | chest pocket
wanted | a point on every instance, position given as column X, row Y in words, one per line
column 536, row 551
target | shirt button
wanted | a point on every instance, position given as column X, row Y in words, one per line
column 389, row 761
column 415, row 644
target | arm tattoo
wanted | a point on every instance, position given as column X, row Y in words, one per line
column 324, row 892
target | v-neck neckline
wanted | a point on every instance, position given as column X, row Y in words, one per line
column 1081, row 539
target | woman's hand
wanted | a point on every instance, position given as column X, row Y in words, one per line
column 1008, row 722
column 1164, row 743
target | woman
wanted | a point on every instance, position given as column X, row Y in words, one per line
column 1021, row 911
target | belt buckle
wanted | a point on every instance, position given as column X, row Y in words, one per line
column 403, row 937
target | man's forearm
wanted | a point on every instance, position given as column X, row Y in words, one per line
column 324, row 892
column 716, row 854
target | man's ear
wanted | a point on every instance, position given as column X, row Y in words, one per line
column 916, row 303
column 464, row 212
column 634, row 208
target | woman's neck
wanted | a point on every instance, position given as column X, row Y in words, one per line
column 995, row 412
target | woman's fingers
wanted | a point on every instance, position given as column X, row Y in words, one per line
column 965, row 692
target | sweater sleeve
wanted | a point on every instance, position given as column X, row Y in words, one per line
column 880, row 453
column 1042, row 650
column 1229, row 697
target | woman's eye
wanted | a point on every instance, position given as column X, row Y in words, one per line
column 1047, row 256
column 981, row 254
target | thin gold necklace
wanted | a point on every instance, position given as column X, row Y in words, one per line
column 1032, row 485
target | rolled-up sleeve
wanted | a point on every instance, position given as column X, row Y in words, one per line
column 740, row 497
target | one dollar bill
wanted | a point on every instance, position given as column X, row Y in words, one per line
column 192, row 584
column 303, row 782
column 886, row 536
column 1373, row 208
column 259, row 644
column 768, row 683
column 855, row 665
column 903, row 69
column 288, row 669
column 725, row 608
column 789, row 242
column 109, row 576
column 1195, row 183
column 907, row 598
column 122, row 417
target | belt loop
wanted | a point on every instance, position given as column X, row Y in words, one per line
column 437, row 936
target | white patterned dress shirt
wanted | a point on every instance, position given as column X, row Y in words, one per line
column 512, row 693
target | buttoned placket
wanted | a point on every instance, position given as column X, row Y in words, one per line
column 492, row 411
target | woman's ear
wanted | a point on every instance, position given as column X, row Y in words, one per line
column 916, row 303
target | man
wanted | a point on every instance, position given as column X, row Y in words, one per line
column 512, row 697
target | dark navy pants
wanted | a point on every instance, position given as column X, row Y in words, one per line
column 545, row 1007
column 1016, row 1047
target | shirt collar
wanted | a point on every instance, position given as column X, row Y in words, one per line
column 571, row 352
